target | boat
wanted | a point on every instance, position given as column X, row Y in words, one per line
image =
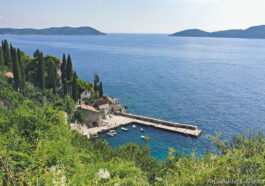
column 141, row 129
column 112, row 133
column 143, row 137
column 134, row 126
column 124, row 129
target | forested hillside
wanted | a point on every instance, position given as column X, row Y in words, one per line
column 37, row 146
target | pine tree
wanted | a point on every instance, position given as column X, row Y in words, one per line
column 6, row 52
column 22, row 69
column 69, row 69
column 41, row 73
column 101, row 93
column 63, row 69
column 15, row 67
column 2, row 61
column 74, row 87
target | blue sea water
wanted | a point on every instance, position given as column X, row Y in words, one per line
column 217, row 84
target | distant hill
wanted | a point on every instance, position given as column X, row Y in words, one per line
column 255, row 32
column 52, row 31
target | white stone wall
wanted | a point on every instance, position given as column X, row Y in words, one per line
column 85, row 94
column 104, row 109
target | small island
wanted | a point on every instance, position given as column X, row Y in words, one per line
column 52, row 31
column 255, row 32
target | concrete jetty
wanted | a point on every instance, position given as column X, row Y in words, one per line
column 122, row 119
column 185, row 129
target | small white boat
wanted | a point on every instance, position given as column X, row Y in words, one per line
column 143, row 137
column 112, row 133
column 124, row 129
column 141, row 129
column 134, row 126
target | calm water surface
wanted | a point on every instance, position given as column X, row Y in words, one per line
column 214, row 83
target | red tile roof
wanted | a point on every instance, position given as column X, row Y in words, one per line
column 100, row 102
column 87, row 107
column 9, row 75
column 64, row 113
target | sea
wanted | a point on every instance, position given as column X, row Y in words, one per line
column 217, row 84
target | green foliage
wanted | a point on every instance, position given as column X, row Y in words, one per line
column 54, row 60
column 65, row 88
column 83, row 85
column 41, row 72
column 96, row 81
column 22, row 69
column 74, row 87
column 51, row 79
column 15, row 68
column 63, row 69
column 6, row 52
column 101, row 93
column 2, row 62
column 69, row 69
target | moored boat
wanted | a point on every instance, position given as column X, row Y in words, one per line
column 141, row 129
column 134, row 126
column 112, row 133
column 143, row 137
column 124, row 129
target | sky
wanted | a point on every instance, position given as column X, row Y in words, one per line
column 133, row 16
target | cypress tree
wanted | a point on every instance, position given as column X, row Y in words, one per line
column 65, row 88
column 69, row 69
column 74, row 87
column 36, row 53
column 15, row 67
column 63, row 69
column 96, row 80
column 41, row 72
column 22, row 69
column 51, row 77
column 6, row 52
column 101, row 93
column 2, row 62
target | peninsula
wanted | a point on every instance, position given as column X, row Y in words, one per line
column 255, row 32
column 52, row 31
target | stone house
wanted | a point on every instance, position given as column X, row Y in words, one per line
column 103, row 107
column 92, row 116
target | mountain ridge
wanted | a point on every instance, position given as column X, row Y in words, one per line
column 66, row 30
column 254, row 32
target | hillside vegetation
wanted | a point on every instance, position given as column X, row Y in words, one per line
column 37, row 146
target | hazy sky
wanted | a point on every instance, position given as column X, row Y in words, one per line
column 133, row 16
